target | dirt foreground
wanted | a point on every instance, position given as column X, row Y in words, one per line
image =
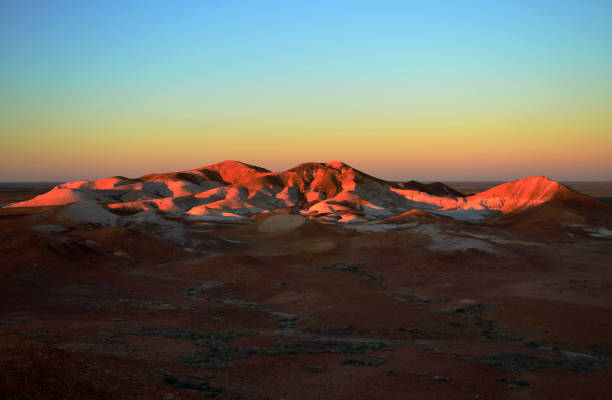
column 296, row 309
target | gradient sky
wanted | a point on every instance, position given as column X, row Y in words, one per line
column 428, row 90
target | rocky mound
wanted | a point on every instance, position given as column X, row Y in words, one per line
column 281, row 223
column 232, row 191
column 519, row 194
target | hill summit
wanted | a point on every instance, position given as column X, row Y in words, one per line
column 331, row 192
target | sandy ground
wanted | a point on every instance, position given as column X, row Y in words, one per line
column 302, row 311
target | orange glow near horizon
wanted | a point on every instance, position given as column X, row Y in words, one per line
column 419, row 146
column 428, row 156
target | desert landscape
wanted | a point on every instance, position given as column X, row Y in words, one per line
column 231, row 281
column 305, row 200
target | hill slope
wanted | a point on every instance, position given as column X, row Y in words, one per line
column 332, row 191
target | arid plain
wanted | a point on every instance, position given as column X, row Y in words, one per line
column 359, row 299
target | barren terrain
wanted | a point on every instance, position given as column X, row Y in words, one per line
column 289, row 306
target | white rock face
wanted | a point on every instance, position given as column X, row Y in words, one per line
column 88, row 212
column 145, row 219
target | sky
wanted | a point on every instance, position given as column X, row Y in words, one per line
column 427, row 90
